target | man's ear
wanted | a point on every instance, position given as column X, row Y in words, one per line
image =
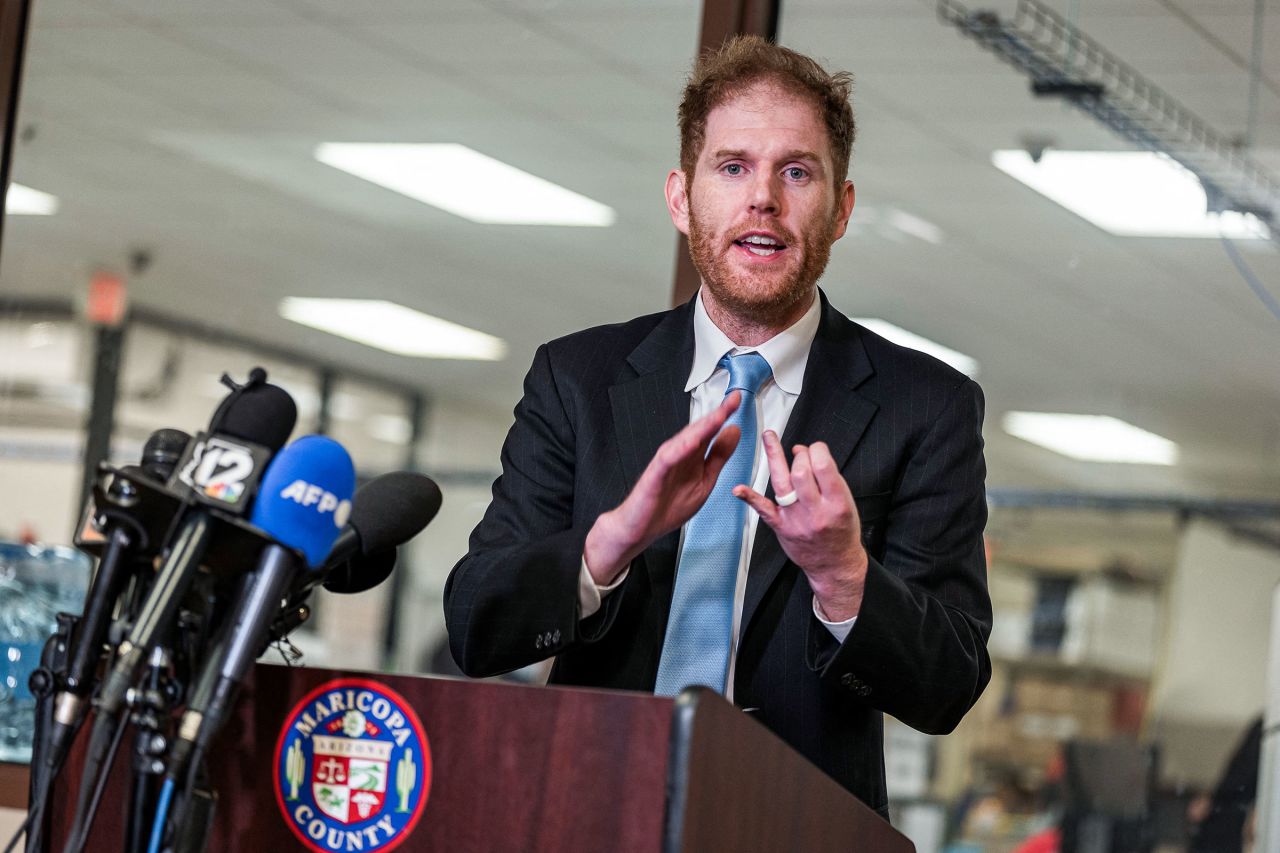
column 678, row 200
column 844, row 209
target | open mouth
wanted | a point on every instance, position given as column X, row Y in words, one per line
column 760, row 245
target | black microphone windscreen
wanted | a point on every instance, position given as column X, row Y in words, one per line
column 264, row 414
column 392, row 509
column 162, row 451
column 362, row 572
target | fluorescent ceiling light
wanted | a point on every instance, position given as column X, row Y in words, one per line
column 466, row 183
column 1092, row 438
column 961, row 362
column 909, row 223
column 25, row 201
column 894, row 224
column 1128, row 193
column 394, row 328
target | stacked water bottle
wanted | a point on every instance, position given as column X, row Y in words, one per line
column 35, row 584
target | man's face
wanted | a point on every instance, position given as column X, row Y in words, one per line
column 762, row 209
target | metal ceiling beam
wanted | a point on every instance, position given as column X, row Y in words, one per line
column 1065, row 63
column 722, row 19
column 1219, row 508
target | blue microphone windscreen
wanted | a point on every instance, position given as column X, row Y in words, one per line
column 305, row 496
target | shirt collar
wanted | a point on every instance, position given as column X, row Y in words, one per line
column 787, row 352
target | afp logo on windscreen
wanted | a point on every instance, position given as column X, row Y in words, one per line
column 310, row 495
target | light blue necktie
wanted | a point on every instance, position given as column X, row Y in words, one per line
column 700, row 625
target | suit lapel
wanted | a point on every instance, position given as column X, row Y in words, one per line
column 649, row 408
column 829, row 409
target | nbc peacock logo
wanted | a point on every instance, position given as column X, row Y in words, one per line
column 353, row 767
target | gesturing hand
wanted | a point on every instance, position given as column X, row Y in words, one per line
column 675, row 484
column 820, row 531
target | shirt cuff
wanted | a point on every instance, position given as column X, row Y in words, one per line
column 591, row 596
column 839, row 630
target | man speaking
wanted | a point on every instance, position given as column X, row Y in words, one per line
column 749, row 492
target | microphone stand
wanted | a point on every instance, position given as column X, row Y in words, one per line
column 55, row 661
column 151, row 707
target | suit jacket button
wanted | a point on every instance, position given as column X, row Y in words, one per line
column 855, row 685
column 538, row 642
column 555, row 638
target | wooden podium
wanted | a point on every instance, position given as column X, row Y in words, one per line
column 516, row 768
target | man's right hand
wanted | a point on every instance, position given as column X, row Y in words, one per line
column 674, row 486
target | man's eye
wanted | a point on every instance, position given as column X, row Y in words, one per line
column 795, row 173
column 733, row 169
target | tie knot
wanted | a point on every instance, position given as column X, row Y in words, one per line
column 747, row 372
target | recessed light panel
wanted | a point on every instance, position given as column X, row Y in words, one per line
column 1128, row 193
column 466, row 183
column 1092, row 438
column 393, row 328
column 24, row 201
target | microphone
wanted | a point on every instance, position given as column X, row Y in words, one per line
column 125, row 542
column 219, row 469
column 304, row 501
column 385, row 513
column 162, row 451
column 361, row 572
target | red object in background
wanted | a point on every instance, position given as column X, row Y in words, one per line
column 1056, row 770
column 1048, row 841
column 107, row 300
column 1127, row 710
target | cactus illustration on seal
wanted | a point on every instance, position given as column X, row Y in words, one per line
column 406, row 778
column 294, row 768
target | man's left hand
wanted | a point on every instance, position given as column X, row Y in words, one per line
column 820, row 532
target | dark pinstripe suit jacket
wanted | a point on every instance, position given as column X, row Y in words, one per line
column 906, row 431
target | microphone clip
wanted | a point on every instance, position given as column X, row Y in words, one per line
column 257, row 378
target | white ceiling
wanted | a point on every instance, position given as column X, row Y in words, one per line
column 186, row 127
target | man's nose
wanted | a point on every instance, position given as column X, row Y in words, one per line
column 765, row 195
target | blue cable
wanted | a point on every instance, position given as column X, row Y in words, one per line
column 162, row 815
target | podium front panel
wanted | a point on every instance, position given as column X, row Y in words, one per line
column 501, row 767
column 334, row 762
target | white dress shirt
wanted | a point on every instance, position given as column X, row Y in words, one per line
column 787, row 354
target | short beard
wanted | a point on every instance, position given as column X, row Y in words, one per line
column 745, row 299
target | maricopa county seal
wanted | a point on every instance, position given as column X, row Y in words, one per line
column 352, row 767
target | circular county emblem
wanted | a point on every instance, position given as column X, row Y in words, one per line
column 352, row 767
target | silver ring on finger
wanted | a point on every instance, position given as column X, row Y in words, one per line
column 786, row 500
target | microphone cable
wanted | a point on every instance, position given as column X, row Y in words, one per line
column 162, row 813
column 32, row 816
column 186, row 795
column 86, row 811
